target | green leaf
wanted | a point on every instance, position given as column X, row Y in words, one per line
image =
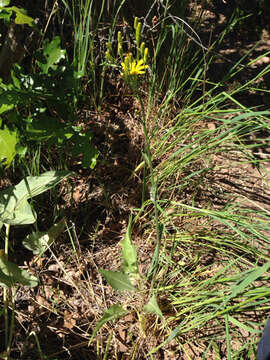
column 45, row 127
column 11, row 274
column 129, row 252
column 4, row 3
column 5, row 14
column 244, row 326
column 254, row 274
column 34, row 185
column 152, row 307
column 83, row 146
column 21, row 16
column 113, row 313
column 13, row 213
column 39, row 242
column 14, row 208
column 52, row 54
column 118, row 280
column 8, row 142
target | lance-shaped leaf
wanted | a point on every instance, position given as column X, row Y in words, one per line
column 118, row 280
column 129, row 252
column 113, row 313
column 152, row 306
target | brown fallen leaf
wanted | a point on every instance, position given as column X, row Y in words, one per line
column 69, row 321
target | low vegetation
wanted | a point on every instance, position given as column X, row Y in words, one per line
column 134, row 190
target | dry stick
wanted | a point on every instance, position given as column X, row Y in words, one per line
column 5, row 291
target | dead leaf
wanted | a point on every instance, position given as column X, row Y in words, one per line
column 69, row 321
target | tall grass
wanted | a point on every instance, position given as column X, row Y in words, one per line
column 214, row 269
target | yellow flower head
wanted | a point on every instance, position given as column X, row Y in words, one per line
column 132, row 67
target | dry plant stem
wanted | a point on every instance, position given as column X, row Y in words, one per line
column 154, row 263
column 8, row 329
column 11, row 330
column 5, row 290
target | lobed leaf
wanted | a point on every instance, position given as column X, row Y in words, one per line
column 52, row 54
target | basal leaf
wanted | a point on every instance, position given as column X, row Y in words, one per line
column 113, row 313
column 11, row 274
column 8, row 142
column 152, row 306
column 38, row 242
column 129, row 252
column 118, row 280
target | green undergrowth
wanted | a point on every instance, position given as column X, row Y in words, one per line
column 190, row 276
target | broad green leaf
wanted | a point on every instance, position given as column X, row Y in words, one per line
column 44, row 127
column 118, row 280
column 11, row 274
column 39, row 242
column 8, row 142
column 23, row 214
column 152, row 307
column 130, row 265
column 113, row 313
column 15, row 214
column 52, row 54
column 34, row 185
column 4, row 3
column 14, row 208
column 21, row 16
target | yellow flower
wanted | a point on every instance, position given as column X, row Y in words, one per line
column 132, row 67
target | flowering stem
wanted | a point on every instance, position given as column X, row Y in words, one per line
column 153, row 193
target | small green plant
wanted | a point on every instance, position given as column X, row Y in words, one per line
column 128, row 279
column 15, row 210
column 40, row 108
